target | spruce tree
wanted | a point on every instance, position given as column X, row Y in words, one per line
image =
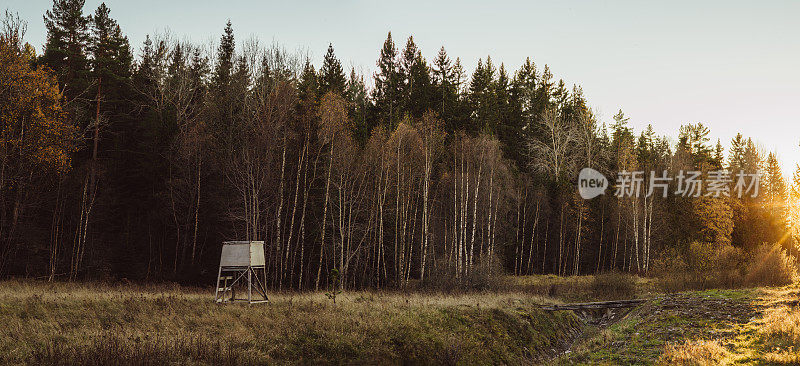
column 111, row 61
column 111, row 54
column 387, row 85
column 416, row 85
column 445, row 94
column 524, row 92
column 356, row 93
column 443, row 81
column 331, row 75
column 736, row 155
column 223, row 105
column 308, row 86
column 509, row 126
column 719, row 155
column 482, row 98
column 225, row 58
column 544, row 90
column 66, row 46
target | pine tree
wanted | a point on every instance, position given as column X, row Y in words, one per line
column 509, row 125
column 719, row 156
column 308, row 87
column 415, row 76
column 736, row 155
column 225, row 58
column 111, row 54
column 331, row 75
column 358, row 101
column 387, row 85
column 223, row 104
column 445, row 98
column 66, row 47
column 482, row 98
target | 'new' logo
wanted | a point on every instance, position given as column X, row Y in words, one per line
column 591, row 183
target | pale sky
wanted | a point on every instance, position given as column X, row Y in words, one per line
column 732, row 65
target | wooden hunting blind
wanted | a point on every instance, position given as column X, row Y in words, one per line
column 241, row 265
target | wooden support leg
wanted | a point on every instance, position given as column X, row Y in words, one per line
column 249, row 285
column 216, row 290
column 225, row 288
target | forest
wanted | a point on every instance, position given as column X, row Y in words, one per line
column 125, row 162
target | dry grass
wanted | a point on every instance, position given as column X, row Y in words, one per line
column 780, row 334
column 772, row 337
column 102, row 324
column 783, row 323
column 695, row 353
column 582, row 288
column 614, row 286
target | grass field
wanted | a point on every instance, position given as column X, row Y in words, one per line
column 711, row 327
column 96, row 324
column 66, row 323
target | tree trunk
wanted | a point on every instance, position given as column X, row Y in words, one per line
column 324, row 218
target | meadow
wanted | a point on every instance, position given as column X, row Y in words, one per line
column 66, row 323
column 101, row 324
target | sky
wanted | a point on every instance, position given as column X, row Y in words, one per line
column 732, row 65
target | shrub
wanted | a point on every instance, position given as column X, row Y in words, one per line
column 484, row 275
column 701, row 266
column 713, row 265
column 671, row 270
column 614, row 285
column 705, row 265
column 771, row 266
column 727, row 267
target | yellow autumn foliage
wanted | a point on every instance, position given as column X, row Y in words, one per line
column 34, row 133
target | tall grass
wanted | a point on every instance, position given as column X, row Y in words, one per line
column 105, row 324
column 694, row 353
column 614, row 286
column 780, row 332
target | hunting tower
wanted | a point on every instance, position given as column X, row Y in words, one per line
column 241, row 265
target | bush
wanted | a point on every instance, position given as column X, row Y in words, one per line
column 713, row 265
column 771, row 266
column 727, row 268
column 614, row 286
column 484, row 275
column 704, row 266
column 671, row 270
column 701, row 266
